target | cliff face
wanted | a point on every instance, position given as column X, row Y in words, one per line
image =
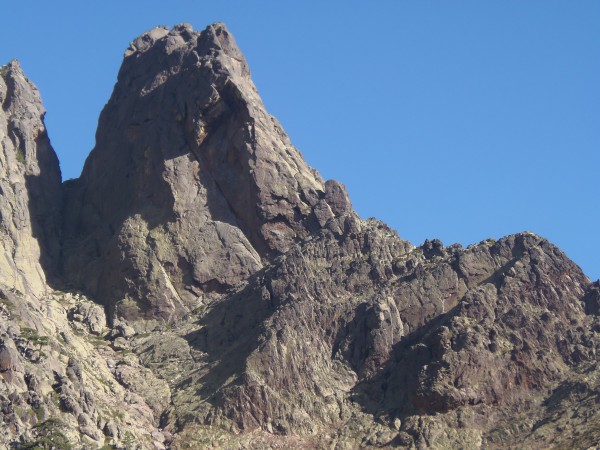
column 30, row 183
column 191, row 185
column 248, row 305
column 56, row 388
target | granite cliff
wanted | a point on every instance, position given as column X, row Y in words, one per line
column 205, row 186
column 200, row 286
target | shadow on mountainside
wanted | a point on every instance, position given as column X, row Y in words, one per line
column 230, row 332
column 45, row 211
column 494, row 348
column 393, row 387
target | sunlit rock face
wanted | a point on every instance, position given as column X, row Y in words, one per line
column 191, row 185
column 30, row 186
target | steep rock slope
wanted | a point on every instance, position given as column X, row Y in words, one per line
column 362, row 340
column 64, row 384
column 61, row 383
column 30, row 184
column 191, row 184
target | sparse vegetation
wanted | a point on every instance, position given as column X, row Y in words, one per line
column 97, row 340
column 6, row 304
column 48, row 437
column 21, row 156
column 199, row 310
column 32, row 336
column 108, row 447
column 117, row 414
column 38, row 413
column 129, row 439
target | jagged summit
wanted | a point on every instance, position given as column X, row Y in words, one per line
column 188, row 164
column 14, row 65
column 19, row 88
column 215, row 37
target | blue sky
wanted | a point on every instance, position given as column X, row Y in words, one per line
column 458, row 120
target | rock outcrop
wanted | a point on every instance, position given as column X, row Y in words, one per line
column 441, row 347
column 30, row 186
column 248, row 305
column 192, row 186
column 62, row 386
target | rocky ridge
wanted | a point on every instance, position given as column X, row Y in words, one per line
column 240, row 302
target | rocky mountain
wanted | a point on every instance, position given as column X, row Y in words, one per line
column 200, row 286
column 30, row 183
column 204, row 185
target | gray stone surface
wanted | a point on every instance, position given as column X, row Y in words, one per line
column 192, row 185
column 90, row 314
column 30, row 183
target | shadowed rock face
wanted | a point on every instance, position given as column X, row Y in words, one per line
column 191, row 184
column 293, row 322
column 30, row 186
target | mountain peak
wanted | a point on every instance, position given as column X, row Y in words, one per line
column 215, row 41
column 13, row 65
column 30, row 183
column 185, row 143
column 17, row 87
column 162, row 36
